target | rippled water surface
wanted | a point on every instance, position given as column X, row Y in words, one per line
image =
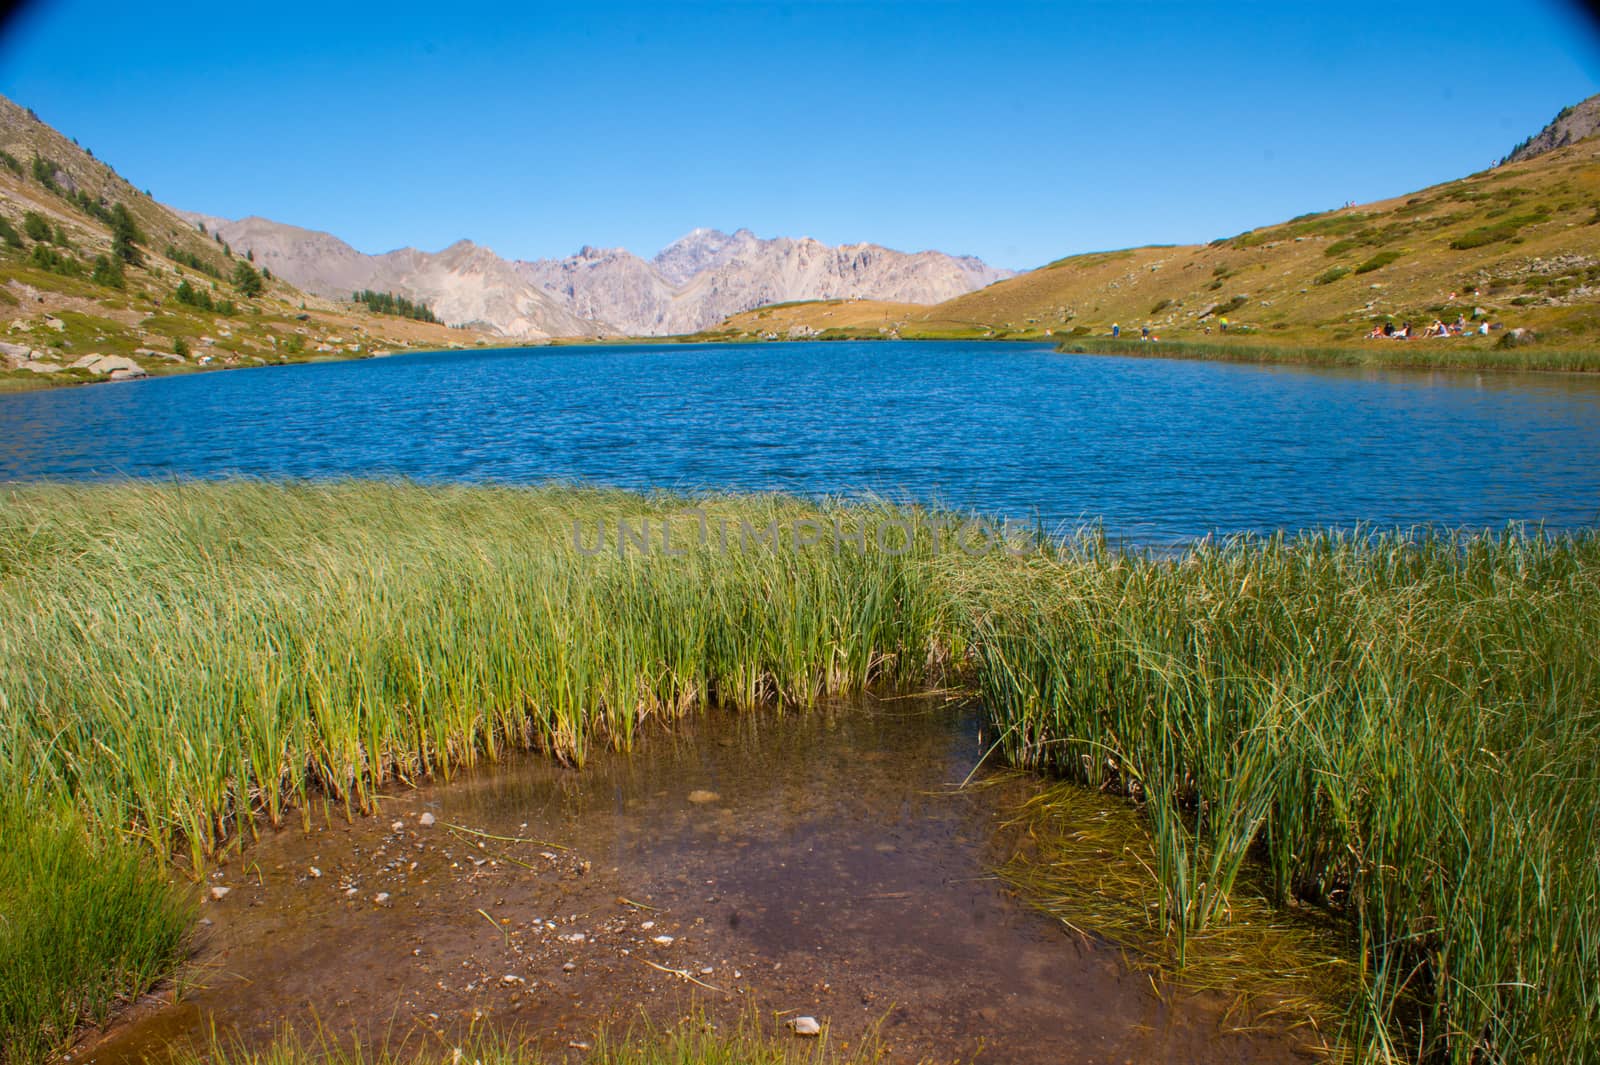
column 1158, row 450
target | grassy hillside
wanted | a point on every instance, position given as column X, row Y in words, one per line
column 69, row 290
column 1518, row 246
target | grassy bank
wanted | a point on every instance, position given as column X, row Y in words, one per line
column 1422, row 354
column 86, row 923
column 1399, row 733
column 1404, row 732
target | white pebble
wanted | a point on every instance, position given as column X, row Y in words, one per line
column 665, row 941
column 426, row 820
column 806, row 1026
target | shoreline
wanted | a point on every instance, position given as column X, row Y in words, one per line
column 1460, row 360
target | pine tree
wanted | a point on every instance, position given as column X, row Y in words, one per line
column 246, row 280
column 124, row 235
column 108, row 272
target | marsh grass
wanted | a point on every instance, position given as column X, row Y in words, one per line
column 179, row 659
column 1400, row 731
column 86, row 922
column 1087, row 859
column 1459, row 353
column 751, row 1039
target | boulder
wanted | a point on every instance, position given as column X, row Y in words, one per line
column 128, row 374
column 108, row 364
column 34, row 366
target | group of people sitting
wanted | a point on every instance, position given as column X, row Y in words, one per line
column 1461, row 327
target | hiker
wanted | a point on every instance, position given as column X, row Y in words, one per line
column 1144, row 332
column 1116, row 330
column 1388, row 329
column 1224, row 325
column 1483, row 328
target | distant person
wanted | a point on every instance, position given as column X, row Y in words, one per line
column 1224, row 325
column 1116, row 330
column 1483, row 328
column 1144, row 332
column 1388, row 329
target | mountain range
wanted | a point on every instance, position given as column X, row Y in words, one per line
column 694, row 283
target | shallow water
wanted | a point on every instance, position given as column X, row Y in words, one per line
column 1157, row 450
column 823, row 863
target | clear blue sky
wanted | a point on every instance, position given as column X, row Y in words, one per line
column 1018, row 132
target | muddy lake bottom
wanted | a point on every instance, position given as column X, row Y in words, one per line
column 824, row 863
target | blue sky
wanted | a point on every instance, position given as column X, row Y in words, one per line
column 1018, row 132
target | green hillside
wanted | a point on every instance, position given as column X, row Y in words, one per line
column 98, row 279
column 1517, row 246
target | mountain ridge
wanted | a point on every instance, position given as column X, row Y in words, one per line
column 695, row 282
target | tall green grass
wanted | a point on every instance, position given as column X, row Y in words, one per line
column 86, row 922
column 1407, row 731
column 1402, row 731
column 176, row 658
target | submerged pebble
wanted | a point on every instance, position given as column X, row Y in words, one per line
column 426, row 820
column 806, row 1026
column 700, row 795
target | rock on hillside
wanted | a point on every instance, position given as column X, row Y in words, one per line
column 1573, row 124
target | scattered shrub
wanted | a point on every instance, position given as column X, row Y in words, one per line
column 1378, row 262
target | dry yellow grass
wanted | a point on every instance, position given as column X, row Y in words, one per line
column 1302, row 282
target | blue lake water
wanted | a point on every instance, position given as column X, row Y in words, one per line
column 1158, row 451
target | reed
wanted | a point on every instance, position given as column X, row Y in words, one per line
column 1401, row 729
column 86, row 922
column 1398, row 730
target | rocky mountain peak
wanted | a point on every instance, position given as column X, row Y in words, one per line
column 1573, row 124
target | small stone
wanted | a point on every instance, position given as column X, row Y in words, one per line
column 398, row 826
column 316, row 874
column 426, row 820
column 351, row 893
column 512, row 978
column 700, row 795
column 218, row 892
column 569, row 967
column 578, row 1044
column 706, row 970
column 381, row 898
column 647, row 925
column 806, row 1026
column 662, row 941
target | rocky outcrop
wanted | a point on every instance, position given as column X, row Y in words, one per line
column 115, row 367
column 693, row 284
column 465, row 284
column 1573, row 124
column 701, row 279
